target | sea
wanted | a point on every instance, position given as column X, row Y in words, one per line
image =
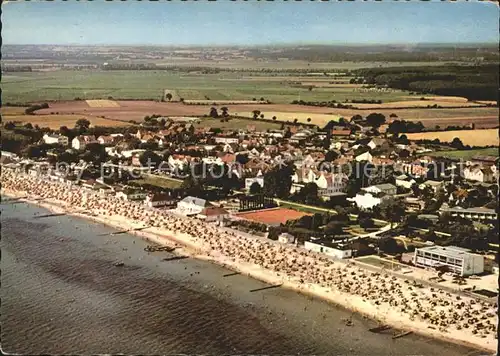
column 61, row 293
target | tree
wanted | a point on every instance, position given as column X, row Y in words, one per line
column 33, row 151
column 331, row 156
column 82, row 125
column 274, row 118
column 388, row 245
column 224, row 110
column 334, row 228
column 310, row 88
column 392, row 210
column 168, row 96
column 213, row 112
column 255, row 188
column 457, row 143
column 308, row 119
column 375, row 119
column 261, row 116
column 366, row 223
column 256, row 113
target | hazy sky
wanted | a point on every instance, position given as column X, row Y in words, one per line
column 247, row 23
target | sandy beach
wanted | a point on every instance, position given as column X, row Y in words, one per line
column 393, row 301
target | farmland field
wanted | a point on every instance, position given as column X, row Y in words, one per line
column 317, row 119
column 137, row 109
column 158, row 181
column 56, row 121
column 467, row 154
column 468, row 137
column 237, row 123
column 86, row 85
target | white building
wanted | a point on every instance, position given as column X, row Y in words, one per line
column 364, row 157
column 226, row 140
column 191, row 206
column 159, row 200
column 80, row 142
column 404, row 181
column 480, row 174
column 56, row 139
column 131, row 195
column 433, row 184
column 457, row 259
column 214, row 213
column 331, row 183
column 476, row 214
column 249, row 181
column 286, row 238
column 386, row 188
column 339, row 251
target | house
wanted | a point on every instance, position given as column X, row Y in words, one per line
column 55, row 139
column 106, row 140
column 404, row 181
column 192, row 206
column 434, row 185
column 226, row 139
column 158, row 200
column 213, row 213
column 336, row 250
column 286, row 238
column 337, row 132
column 331, row 183
column 364, row 157
column 387, row 188
column 80, row 142
column 476, row 214
column 479, row 173
column 459, row 260
column 249, row 181
column 131, row 194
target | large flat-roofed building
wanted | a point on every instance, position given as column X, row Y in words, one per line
column 459, row 260
column 475, row 214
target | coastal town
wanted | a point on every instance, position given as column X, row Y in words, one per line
column 353, row 212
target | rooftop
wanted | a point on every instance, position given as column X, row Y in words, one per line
column 449, row 251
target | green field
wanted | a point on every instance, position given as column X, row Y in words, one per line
column 467, row 154
column 68, row 85
column 161, row 182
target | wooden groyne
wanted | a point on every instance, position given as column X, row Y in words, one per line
column 264, row 288
column 401, row 334
column 231, row 274
column 379, row 328
column 50, row 215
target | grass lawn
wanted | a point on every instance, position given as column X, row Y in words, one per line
column 161, row 182
column 306, row 209
column 467, row 154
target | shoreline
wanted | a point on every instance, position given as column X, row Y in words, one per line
column 190, row 247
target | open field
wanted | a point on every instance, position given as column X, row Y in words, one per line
column 161, row 182
column 318, row 119
column 272, row 216
column 468, row 137
column 56, row 121
column 467, row 154
column 237, row 123
column 420, row 104
column 87, row 85
column 102, row 103
column 137, row 109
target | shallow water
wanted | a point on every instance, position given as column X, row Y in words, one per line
column 61, row 293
